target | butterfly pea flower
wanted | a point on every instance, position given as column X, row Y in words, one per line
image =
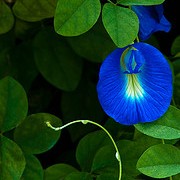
column 135, row 84
column 151, row 19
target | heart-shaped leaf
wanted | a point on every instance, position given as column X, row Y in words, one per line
column 166, row 127
column 160, row 161
column 13, row 103
column 33, row 169
column 56, row 61
column 6, row 18
column 121, row 23
column 88, row 146
column 34, row 10
column 33, row 134
column 58, row 171
column 12, row 161
column 76, row 17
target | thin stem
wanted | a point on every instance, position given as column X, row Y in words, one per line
column 173, row 101
column 92, row 122
column 170, row 178
column 137, row 38
column 62, row 127
column 111, row 2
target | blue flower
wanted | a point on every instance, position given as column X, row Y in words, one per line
column 151, row 20
column 135, row 84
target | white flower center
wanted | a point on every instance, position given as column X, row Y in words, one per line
column 133, row 87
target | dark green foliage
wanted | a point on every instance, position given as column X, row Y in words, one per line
column 34, row 136
column 166, row 127
column 121, row 23
column 50, row 55
column 12, row 161
column 58, row 171
column 14, row 104
column 33, row 168
column 56, row 61
column 151, row 165
column 6, row 18
column 76, row 17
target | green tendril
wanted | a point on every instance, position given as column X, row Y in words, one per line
column 117, row 155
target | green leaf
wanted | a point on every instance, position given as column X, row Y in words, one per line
column 118, row 130
column 56, row 61
column 79, row 176
column 58, row 171
column 33, row 169
column 166, row 127
column 6, row 18
column 175, row 48
column 105, row 162
column 107, row 176
column 140, row 2
column 160, row 161
column 88, row 146
column 93, row 45
column 34, row 136
column 12, row 161
column 121, row 23
column 13, row 103
column 145, row 141
column 76, row 17
column 34, row 10
column 130, row 152
column 24, row 30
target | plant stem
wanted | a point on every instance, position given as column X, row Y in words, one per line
column 137, row 38
column 173, row 101
column 92, row 122
column 111, row 2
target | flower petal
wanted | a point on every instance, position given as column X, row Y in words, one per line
column 137, row 97
column 151, row 20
